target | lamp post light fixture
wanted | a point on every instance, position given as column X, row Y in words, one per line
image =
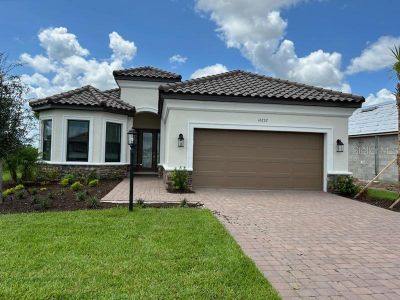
column 181, row 140
column 339, row 146
column 132, row 136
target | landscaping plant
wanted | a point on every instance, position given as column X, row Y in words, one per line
column 91, row 176
column 81, row 196
column 345, row 186
column 76, row 186
column 93, row 183
column 15, row 116
column 68, row 179
column 93, row 202
column 179, row 179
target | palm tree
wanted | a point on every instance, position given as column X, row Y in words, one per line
column 396, row 69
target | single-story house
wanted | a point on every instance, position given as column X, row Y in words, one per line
column 373, row 141
column 232, row 130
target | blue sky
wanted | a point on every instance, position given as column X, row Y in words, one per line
column 308, row 41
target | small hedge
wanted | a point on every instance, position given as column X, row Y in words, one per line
column 344, row 185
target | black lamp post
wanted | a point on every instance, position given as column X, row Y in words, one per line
column 132, row 135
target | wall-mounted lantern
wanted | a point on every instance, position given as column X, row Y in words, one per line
column 339, row 146
column 181, row 140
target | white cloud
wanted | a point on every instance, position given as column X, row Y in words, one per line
column 209, row 70
column 384, row 95
column 39, row 62
column 59, row 43
column 375, row 57
column 122, row 49
column 68, row 61
column 177, row 59
column 256, row 28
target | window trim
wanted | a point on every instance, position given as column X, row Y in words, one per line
column 41, row 131
column 124, row 145
column 120, row 141
column 88, row 140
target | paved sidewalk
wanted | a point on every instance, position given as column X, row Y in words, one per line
column 309, row 245
column 148, row 188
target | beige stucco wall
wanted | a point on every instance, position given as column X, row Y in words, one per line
column 97, row 129
column 141, row 94
column 184, row 116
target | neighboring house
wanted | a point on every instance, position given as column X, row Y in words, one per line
column 231, row 130
column 373, row 141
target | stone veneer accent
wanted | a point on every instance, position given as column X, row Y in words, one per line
column 165, row 175
column 103, row 171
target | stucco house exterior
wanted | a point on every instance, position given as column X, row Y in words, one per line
column 232, row 130
column 373, row 141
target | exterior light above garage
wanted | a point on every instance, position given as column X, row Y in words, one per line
column 181, row 140
column 339, row 146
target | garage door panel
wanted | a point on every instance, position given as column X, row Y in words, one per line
column 254, row 159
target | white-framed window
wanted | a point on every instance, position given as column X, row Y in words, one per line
column 47, row 128
column 78, row 140
column 113, row 142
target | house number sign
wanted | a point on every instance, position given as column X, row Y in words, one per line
column 262, row 120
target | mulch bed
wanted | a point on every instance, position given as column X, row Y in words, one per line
column 379, row 202
column 64, row 198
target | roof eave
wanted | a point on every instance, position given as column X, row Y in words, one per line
column 262, row 100
column 142, row 78
column 49, row 106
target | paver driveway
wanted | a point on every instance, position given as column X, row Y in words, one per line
column 308, row 244
column 314, row 244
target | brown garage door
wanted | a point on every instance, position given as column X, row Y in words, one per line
column 257, row 159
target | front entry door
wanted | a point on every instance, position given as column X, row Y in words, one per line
column 148, row 150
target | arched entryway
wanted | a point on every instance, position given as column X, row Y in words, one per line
column 147, row 125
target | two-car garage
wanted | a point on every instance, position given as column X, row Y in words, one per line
column 258, row 159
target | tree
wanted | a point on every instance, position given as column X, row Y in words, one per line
column 15, row 116
column 396, row 69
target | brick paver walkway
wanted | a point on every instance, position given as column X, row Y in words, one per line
column 309, row 244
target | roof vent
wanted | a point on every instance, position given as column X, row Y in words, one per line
column 369, row 108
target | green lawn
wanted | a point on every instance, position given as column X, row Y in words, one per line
column 382, row 194
column 113, row 254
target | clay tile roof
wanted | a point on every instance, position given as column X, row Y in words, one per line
column 115, row 93
column 87, row 97
column 147, row 72
column 250, row 85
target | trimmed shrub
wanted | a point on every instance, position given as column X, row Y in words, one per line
column 8, row 192
column 345, row 186
column 19, row 187
column 93, row 183
column 93, row 202
column 70, row 178
column 77, row 186
column 64, row 182
column 179, row 179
